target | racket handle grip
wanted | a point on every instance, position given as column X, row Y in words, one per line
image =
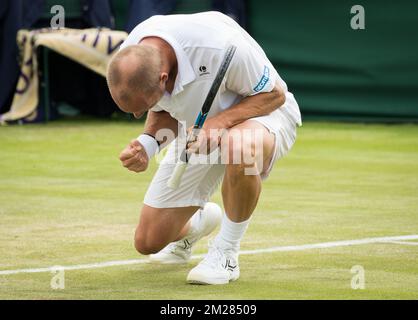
column 175, row 178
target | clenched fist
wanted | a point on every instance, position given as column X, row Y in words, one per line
column 134, row 157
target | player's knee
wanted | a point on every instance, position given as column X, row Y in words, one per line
column 144, row 248
column 239, row 148
column 245, row 157
column 144, row 245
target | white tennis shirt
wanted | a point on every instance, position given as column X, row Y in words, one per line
column 200, row 42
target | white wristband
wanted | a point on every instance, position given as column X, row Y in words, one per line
column 150, row 145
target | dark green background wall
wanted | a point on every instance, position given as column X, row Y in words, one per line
column 337, row 72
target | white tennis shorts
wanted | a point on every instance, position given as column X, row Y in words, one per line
column 200, row 181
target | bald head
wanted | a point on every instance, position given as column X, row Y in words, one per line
column 133, row 75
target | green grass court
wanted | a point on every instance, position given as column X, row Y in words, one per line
column 66, row 200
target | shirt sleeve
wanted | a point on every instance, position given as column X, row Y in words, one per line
column 250, row 72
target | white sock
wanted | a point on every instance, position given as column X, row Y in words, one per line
column 194, row 223
column 231, row 233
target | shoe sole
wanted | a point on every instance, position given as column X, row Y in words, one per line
column 211, row 281
column 168, row 261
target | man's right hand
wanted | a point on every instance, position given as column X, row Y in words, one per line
column 134, row 157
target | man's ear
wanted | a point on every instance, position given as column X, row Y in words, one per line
column 163, row 78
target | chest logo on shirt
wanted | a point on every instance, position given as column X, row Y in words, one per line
column 263, row 81
column 203, row 71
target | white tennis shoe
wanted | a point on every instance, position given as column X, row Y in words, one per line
column 180, row 251
column 219, row 266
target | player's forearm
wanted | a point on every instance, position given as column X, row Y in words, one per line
column 162, row 126
column 254, row 106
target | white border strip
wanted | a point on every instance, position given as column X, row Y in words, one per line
column 322, row 245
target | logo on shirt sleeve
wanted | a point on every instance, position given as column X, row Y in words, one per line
column 263, row 81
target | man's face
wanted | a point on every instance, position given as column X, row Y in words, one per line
column 136, row 103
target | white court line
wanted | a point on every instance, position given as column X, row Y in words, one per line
column 404, row 242
column 322, row 245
